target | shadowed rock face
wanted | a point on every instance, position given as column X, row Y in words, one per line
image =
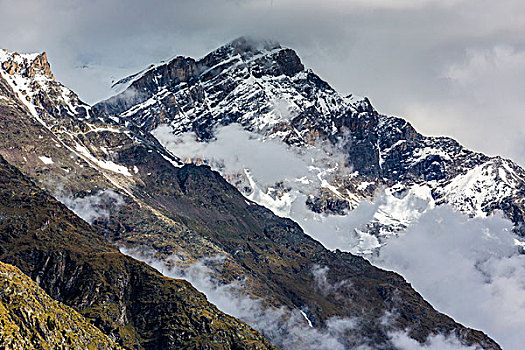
column 126, row 299
column 186, row 211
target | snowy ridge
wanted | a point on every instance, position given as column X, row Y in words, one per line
column 477, row 189
column 261, row 102
column 359, row 153
column 29, row 76
column 60, row 111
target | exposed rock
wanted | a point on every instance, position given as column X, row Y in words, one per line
column 30, row 319
column 40, row 65
column 327, row 203
column 26, row 65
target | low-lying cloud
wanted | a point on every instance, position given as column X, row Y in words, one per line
column 238, row 149
column 92, row 207
column 469, row 269
column 438, row 342
column 287, row 329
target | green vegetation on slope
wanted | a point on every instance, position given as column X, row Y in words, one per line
column 30, row 319
column 126, row 299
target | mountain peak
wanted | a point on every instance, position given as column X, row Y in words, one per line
column 26, row 65
column 268, row 55
column 250, row 44
column 241, row 60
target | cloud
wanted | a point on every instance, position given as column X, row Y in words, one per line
column 484, row 104
column 438, row 342
column 273, row 181
column 238, row 149
column 469, row 269
column 285, row 328
column 93, row 207
column 288, row 329
column 326, row 287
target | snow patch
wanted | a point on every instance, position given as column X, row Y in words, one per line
column 104, row 164
column 46, row 160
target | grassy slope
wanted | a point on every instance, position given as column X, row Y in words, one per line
column 124, row 298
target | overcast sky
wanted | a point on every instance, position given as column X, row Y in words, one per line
column 451, row 67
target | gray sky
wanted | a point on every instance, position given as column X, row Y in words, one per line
column 451, row 67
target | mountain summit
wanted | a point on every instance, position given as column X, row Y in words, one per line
column 28, row 66
column 266, row 90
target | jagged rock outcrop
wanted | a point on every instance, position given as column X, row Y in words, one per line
column 31, row 319
column 26, row 65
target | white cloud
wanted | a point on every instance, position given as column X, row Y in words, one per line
column 491, row 83
column 438, row 342
column 287, row 329
column 469, row 269
column 96, row 206
column 238, row 149
column 253, row 160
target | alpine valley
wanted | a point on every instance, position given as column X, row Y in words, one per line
column 242, row 172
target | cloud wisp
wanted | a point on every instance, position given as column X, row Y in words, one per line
column 92, row 207
column 288, row 329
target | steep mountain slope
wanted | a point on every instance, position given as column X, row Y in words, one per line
column 30, row 319
column 144, row 198
column 126, row 299
column 349, row 151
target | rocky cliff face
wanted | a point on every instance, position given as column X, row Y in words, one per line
column 188, row 212
column 266, row 90
column 31, row 319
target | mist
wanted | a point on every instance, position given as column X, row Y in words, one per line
column 469, row 268
column 285, row 328
column 92, row 207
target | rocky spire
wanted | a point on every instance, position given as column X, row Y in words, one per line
column 27, row 65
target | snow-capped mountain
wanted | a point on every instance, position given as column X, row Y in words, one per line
column 349, row 152
column 115, row 174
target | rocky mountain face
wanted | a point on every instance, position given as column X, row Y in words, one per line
column 265, row 89
column 31, row 319
column 126, row 299
column 109, row 169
